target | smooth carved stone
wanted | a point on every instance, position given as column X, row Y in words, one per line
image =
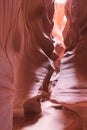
column 32, row 107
